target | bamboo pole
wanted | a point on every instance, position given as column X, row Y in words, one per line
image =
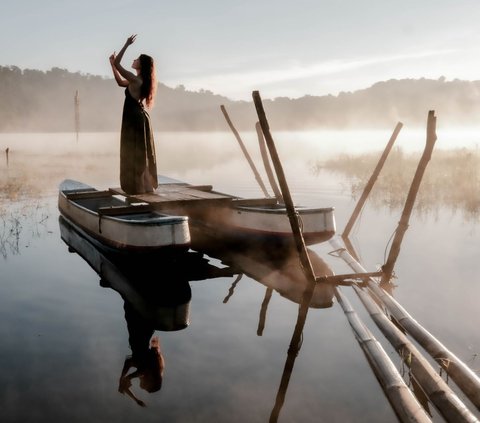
column 371, row 181
column 440, row 394
column 400, row 396
column 266, row 163
column 410, row 201
column 7, row 150
column 291, row 212
column 245, row 152
column 347, row 276
column 458, row 371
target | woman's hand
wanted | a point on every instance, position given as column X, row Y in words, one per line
column 112, row 58
column 131, row 39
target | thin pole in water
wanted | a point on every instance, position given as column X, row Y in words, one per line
column 410, row 201
column 371, row 181
column 77, row 113
column 266, row 163
column 245, row 152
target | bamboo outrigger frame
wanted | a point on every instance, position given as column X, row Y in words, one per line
column 404, row 403
column 372, row 295
column 440, row 394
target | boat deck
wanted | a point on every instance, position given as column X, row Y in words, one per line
column 171, row 195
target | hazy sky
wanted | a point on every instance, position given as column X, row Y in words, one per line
column 282, row 48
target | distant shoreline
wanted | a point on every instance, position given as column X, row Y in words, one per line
column 38, row 102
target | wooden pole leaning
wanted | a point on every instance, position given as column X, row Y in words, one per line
column 371, row 181
column 245, row 152
column 410, row 201
column 266, row 163
column 291, row 212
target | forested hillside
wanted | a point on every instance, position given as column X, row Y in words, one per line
column 33, row 100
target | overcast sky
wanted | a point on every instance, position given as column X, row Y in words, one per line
column 281, row 48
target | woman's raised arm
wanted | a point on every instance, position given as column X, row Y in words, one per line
column 129, row 76
column 120, row 81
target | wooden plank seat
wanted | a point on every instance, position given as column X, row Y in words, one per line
column 254, row 202
column 87, row 194
column 179, row 187
column 123, row 210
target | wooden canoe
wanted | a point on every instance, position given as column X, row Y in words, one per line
column 236, row 219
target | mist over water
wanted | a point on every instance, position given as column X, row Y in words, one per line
column 65, row 337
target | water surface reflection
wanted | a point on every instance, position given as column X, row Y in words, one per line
column 227, row 365
column 149, row 304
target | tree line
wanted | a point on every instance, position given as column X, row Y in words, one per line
column 38, row 101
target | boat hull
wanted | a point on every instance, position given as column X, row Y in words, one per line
column 269, row 225
column 146, row 231
column 249, row 221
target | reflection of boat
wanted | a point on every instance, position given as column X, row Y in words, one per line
column 157, row 286
column 280, row 271
column 117, row 223
column 233, row 218
column 156, row 292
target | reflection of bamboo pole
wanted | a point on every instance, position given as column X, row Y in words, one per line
column 371, row 181
column 6, row 154
column 464, row 377
column 293, row 349
column 245, row 152
column 231, row 290
column 410, row 201
column 263, row 311
column 266, row 163
column 440, row 394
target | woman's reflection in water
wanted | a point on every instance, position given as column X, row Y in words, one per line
column 146, row 357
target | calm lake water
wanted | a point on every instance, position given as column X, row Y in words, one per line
column 65, row 329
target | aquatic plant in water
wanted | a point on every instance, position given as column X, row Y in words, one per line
column 451, row 180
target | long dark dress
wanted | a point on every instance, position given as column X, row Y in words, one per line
column 138, row 167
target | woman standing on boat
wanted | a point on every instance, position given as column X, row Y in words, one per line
column 138, row 168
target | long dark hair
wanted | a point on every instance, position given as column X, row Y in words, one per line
column 149, row 82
